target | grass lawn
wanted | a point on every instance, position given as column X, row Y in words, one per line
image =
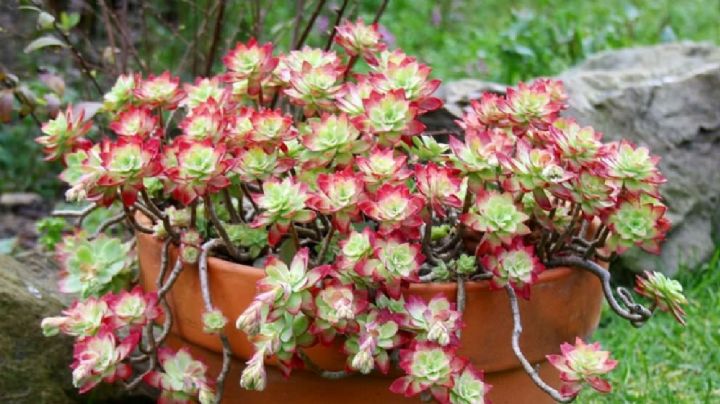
column 510, row 40
column 664, row 362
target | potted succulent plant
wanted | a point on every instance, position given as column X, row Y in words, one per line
column 291, row 212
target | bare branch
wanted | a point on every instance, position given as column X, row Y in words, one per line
column 517, row 330
column 106, row 224
column 309, row 25
column 333, row 29
column 80, row 214
column 380, row 11
column 210, row 209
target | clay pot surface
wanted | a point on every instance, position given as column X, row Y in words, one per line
column 565, row 303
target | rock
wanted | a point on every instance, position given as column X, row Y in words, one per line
column 34, row 368
column 667, row 98
column 15, row 199
column 664, row 97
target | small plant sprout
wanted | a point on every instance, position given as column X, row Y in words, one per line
column 314, row 166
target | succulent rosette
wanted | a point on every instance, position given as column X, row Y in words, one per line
column 536, row 169
column 135, row 122
column 666, row 294
column 314, row 88
column 83, row 318
column 516, row 265
column 251, row 62
column 203, row 91
column 338, row 195
column 271, row 127
column 368, row 348
column 99, row 358
column 331, row 138
column 336, row 309
column 479, row 155
column 121, row 93
column 497, row 216
column 350, row 97
column 411, row 77
column 531, row 105
column 354, row 250
column 282, row 203
column 134, row 308
column 634, row 168
column 200, row 168
column 206, row 121
column 440, row 186
column 359, row 39
column 390, row 115
column 295, row 61
column 92, row 267
column 64, row 133
column 291, row 286
column 435, row 321
column 429, row 367
column 582, row 363
column 469, row 387
column 182, row 378
column 159, row 91
column 393, row 263
column 382, row 166
column 395, row 208
column 257, row 164
column 593, row 192
column 637, row 222
column 125, row 165
column 485, row 113
column 214, row 321
column 579, row 146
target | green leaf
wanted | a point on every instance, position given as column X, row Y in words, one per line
column 68, row 21
column 44, row 42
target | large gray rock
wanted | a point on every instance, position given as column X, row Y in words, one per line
column 664, row 97
column 667, row 98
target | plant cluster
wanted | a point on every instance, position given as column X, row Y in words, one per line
column 328, row 180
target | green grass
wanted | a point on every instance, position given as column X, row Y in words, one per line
column 514, row 40
column 664, row 362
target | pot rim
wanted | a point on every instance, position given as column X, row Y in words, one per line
column 216, row 264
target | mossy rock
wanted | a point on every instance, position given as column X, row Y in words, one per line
column 33, row 368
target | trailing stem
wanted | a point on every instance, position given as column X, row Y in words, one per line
column 313, row 367
column 636, row 313
column 517, row 330
column 205, row 289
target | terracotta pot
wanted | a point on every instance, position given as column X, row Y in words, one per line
column 565, row 303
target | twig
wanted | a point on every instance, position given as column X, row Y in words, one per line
column 313, row 367
column 177, row 269
column 333, row 29
column 80, row 214
column 234, row 217
column 156, row 211
column 517, row 330
column 309, row 25
column 294, row 235
column 210, row 209
column 635, row 313
column 380, row 11
column 299, row 11
column 460, row 300
column 205, row 289
column 216, row 37
column 106, row 224
column 325, row 246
